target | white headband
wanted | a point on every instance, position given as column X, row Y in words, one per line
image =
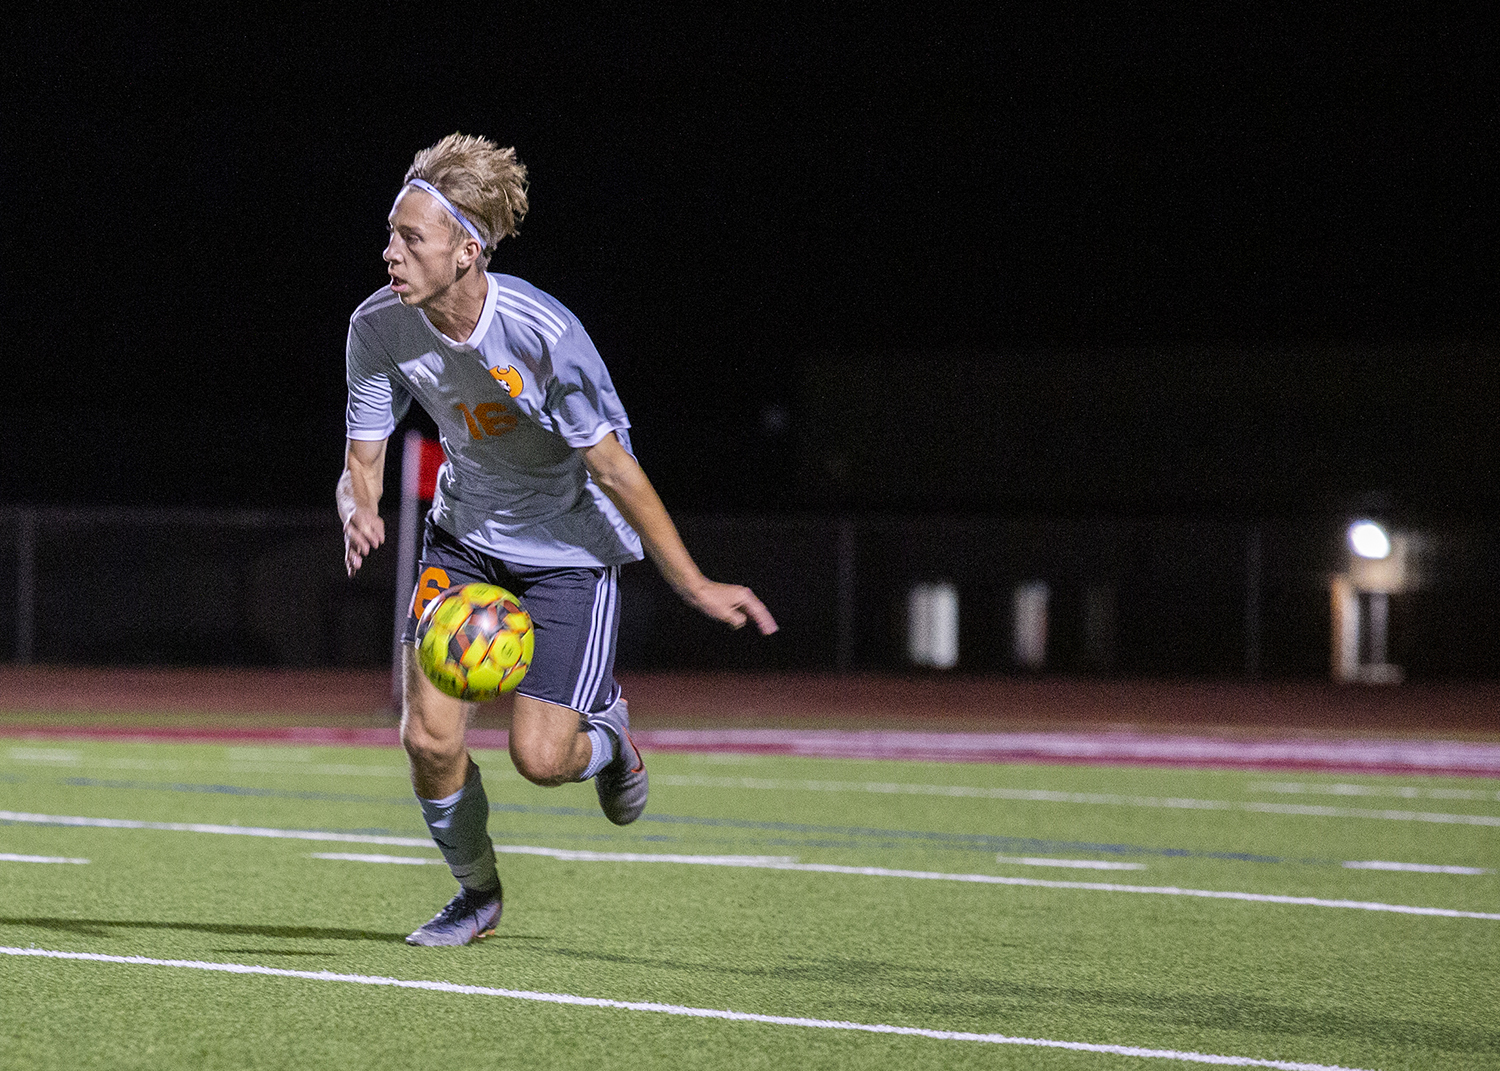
column 428, row 187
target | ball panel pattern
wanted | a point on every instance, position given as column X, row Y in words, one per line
column 475, row 641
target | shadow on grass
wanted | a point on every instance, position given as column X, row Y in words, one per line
column 103, row 928
column 926, row 993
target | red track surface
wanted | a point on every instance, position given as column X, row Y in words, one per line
column 353, row 697
column 1453, row 729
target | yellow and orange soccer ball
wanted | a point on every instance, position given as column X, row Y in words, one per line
column 475, row 641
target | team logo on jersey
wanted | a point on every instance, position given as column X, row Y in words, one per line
column 508, row 378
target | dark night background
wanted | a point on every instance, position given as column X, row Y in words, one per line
column 1048, row 260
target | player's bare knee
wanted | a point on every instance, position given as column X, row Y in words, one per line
column 429, row 752
column 540, row 763
column 539, row 771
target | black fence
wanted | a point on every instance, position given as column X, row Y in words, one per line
column 1148, row 597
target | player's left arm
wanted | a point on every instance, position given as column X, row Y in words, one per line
column 621, row 477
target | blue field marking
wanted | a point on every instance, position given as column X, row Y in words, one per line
column 983, row 842
column 832, row 836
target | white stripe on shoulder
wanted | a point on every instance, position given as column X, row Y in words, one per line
column 376, row 306
column 542, row 327
column 538, row 307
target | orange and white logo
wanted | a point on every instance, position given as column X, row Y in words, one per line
column 509, row 378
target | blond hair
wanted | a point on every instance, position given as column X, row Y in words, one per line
column 485, row 182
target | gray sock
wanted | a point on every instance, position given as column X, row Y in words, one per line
column 602, row 752
column 458, row 824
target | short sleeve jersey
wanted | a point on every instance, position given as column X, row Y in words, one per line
column 513, row 403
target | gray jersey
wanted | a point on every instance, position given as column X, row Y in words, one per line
column 512, row 404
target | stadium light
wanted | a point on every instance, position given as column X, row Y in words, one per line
column 1369, row 540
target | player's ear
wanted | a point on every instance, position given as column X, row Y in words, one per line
column 468, row 253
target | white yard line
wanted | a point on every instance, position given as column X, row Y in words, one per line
column 45, row 756
column 1039, row 795
column 1415, row 868
column 1159, row 890
column 677, row 1009
column 239, row 760
column 1406, row 792
column 570, row 856
column 7, row 857
column 200, row 827
column 1075, row 864
column 749, row 862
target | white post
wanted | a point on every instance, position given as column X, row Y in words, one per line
column 1029, row 618
column 1346, row 638
column 932, row 625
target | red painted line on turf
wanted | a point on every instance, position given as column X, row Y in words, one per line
column 1327, row 755
column 1106, row 748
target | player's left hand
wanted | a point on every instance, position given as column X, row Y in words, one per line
column 732, row 604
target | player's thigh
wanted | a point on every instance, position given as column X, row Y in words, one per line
column 576, row 615
column 433, row 723
column 545, row 743
column 575, row 612
column 445, row 563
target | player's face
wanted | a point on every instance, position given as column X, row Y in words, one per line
column 421, row 257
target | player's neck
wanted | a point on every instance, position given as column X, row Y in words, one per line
column 455, row 310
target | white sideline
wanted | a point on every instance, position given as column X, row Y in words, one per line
column 1160, row 890
column 679, row 1009
column 749, row 862
column 1039, row 795
column 8, row 857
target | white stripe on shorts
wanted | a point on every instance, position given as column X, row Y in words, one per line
column 596, row 651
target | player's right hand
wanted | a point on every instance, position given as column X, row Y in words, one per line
column 363, row 532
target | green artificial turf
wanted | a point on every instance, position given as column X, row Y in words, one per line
column 1322, row 985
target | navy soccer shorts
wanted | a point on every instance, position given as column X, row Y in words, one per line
column 575, row 610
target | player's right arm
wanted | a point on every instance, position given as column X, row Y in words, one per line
column 358, row 496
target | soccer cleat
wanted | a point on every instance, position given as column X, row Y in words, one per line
column 622, row 785
column 469, row 916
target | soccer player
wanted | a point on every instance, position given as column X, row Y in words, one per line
column 540, row 494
